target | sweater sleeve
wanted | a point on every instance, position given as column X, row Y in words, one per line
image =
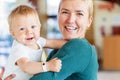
column 75, row 56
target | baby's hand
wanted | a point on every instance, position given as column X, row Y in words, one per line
column 10, row 77
column 54, row 65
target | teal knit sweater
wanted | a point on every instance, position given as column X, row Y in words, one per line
column 79, row 62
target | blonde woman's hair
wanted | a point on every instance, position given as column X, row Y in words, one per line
column 23, row 10
column 88, row 2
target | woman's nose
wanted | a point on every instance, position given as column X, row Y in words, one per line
column 71, row 18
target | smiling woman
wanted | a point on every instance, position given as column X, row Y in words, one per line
column 73, row 23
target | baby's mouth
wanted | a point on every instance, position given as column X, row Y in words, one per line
column 29, row 38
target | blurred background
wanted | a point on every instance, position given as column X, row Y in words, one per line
column 104, row 33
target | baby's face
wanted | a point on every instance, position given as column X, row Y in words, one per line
column 25, row 29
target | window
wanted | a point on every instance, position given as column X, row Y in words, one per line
column 52, row 23
column 5, row 37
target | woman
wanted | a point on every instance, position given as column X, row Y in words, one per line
column 79, row 58
column 79, row 61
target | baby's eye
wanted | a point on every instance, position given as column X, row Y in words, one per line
column 21, row 28
column 33, row 27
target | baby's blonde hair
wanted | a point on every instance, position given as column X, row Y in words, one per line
column 23, row 10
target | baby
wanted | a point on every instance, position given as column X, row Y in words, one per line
column 27, row 45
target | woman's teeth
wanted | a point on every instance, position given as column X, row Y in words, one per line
column 71, row 27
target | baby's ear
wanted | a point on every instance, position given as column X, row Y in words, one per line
column 12, row 33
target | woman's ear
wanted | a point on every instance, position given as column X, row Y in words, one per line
column 90, row 21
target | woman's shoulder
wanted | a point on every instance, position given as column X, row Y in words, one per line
column 78, row 45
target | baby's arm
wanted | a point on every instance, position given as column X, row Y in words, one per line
column 55, row 43
column 36, row 67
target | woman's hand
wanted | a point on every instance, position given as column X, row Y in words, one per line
column 10, row 77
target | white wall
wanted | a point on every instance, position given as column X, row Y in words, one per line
column 104, row 18
column 22, row 1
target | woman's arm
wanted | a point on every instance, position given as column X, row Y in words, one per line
column 75, row 56
column 36, row 67
column 67, row 55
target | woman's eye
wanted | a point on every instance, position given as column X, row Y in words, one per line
column 65, row 12
column 80, row 14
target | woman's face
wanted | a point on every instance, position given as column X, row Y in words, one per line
column 73, row 18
